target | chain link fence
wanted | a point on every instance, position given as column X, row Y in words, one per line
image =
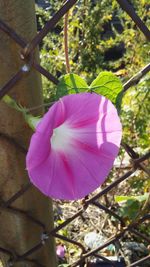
column 137, row 162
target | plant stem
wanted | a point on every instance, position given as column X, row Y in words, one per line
column 66, row 42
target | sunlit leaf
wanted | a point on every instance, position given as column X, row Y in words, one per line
column 140, row 198
column 108, row 85
column 71, row 84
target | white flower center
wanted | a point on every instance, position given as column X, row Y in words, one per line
column 61, row 138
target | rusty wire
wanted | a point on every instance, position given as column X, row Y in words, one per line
column 137, row 161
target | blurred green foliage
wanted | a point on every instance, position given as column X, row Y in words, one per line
column 102, row 37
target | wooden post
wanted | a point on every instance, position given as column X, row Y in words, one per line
column 18, row 233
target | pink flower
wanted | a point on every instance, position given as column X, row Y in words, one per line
column 74, row 146
column 60, row 251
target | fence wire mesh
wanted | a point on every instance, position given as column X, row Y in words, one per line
column 137, row 162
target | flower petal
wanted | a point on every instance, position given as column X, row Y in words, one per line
column 74, row 146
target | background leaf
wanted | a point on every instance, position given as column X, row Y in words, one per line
column 108, row 85
column 138, row 198
column 130, row 209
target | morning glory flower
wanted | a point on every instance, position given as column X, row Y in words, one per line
column 74, row 146
column 60, row 251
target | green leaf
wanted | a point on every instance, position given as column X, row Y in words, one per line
column 71, row 84
column 60, row 222
column 108, row 85
column 130, row 209
column 140, row 198
column 64, row 232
